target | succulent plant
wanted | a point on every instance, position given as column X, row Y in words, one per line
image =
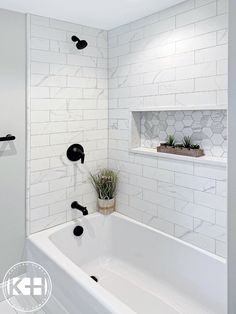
column 170, row 140
column 195, row 146
column 187, row 142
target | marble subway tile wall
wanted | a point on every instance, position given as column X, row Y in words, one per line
column 177, row 57
column 67, row 103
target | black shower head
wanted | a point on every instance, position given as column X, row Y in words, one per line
column 81, row 44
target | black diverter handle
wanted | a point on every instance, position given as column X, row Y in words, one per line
column 76, row 152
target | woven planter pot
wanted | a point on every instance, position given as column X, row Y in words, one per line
column 106, row 207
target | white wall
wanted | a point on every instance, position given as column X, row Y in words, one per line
column 232, row 165
column 68, row 103
column 177, row 57
column 12, row 154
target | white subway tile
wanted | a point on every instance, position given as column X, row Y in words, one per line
column 176, row 87
column 39, row 116
column 143, row 182
column 196, row 239
column 175, row 217
column 195, row 183
column 46, row 199
column 47, row 32
column 157, row 223
column 210, row 171
column 196, row 15
column 196, row 43
column 158, row 199
column 39, row 164
column 47, row 56
column 160, row 27
column 158, row 174
column 222, row 6
column 195, row 71
column 195, row 99
column 142, row 205
column 211, row 25
column 39, row 188
column 211, row 83
column 39, row 43
column 39, row 20
column 221, row 249
column 221, row 219
column 47, row 222
column 195, row 210
column 39, row 213
column 39, row 140
column 39, row 68
column 175, row 191
column 211, row 54
column 176, row 165
column 210, row 230
column 210, row 200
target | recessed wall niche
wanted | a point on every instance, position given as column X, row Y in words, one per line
column 208, row 128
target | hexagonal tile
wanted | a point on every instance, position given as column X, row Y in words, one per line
column 217, row 127
column 196, row 126
column 179, row 126
column 179, row 115
column 204, row 121
column 197, row 137
column 217, row 116
column 155, row 120
column 162, row 135
column 178, row 137
column 207, row 132
column 162, row 125
column 163, row 115
column 207, row 144
column 217, row 139
column 170, row 120
column 197, row 115
column 170, row 130
column 187, row 132
column 187, row 121
column 149, row 116
column 207, row 128
column 224, row 145
column 217, row 151
column 187, row 113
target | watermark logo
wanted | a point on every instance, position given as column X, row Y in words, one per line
column 27, row 286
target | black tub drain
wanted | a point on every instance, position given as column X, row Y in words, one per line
column 94, row 278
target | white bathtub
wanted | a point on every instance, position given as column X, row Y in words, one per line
column 139, row 270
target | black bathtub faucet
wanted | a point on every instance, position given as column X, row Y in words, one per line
column 83, row 209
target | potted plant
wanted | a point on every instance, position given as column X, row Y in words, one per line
column 186, row 148
column 105, row 184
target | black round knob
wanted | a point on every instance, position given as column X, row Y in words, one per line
column 75, row 152
column 78, row 231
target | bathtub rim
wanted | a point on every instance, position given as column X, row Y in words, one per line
column 52, row 230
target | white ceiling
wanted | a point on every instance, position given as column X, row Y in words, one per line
column 104, row 14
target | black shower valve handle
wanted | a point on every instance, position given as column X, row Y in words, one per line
column 76, row 152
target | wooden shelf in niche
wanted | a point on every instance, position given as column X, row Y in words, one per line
column 206, row 125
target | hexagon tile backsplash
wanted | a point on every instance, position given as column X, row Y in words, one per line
column 208, row 128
